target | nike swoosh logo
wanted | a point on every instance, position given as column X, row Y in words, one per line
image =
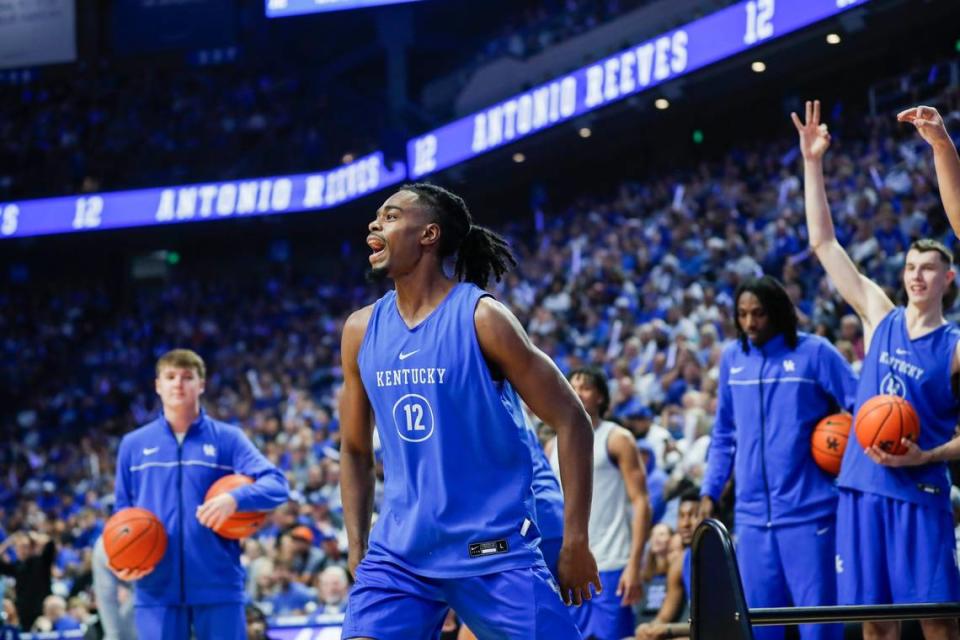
column 736, row 369
column 902, row 352
column 820, row 532
column 404, row 356
column 150, row 452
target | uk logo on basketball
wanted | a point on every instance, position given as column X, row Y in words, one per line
column 891, row 385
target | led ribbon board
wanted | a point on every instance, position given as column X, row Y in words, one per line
column 670, row 55
column 283, row 8
column 195, row 202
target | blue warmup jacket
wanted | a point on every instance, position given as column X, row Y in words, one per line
column 170, row 479
column 769, row 401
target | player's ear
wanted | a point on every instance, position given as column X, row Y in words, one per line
column 431, row 234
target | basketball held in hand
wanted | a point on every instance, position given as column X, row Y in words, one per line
column 884, row 421
column 243, row 523
column 134, row 538
column 829, row 441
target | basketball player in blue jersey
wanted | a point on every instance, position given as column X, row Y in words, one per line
column 895, row 540
column 434, row 363
column 776, row 383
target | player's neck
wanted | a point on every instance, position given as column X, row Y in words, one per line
column 420, row 292
column 181, row 419
column 922, row 319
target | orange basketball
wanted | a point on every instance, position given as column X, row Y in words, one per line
column 134, row 538
column 884, row 421
column 829, row 441
column 242, row 524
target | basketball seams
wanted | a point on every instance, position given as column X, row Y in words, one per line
column 128, row 522
column 863, row 417
column 154, row 527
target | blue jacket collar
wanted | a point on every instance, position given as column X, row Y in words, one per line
column 201, row 418
column 774, row 344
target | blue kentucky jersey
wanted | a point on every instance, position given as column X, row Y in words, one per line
column 918, row 370
column 457, row 472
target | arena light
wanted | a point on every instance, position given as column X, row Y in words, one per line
column 662, row 103
column 519, row 157
column 758, row 66
column 833, row 38
column 348, row 158
column 585, row 132
column 697, row 136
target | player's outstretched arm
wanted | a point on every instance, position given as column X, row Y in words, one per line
column 356, row 441
column 930, row 125
column 861, row 293
column 541, row 385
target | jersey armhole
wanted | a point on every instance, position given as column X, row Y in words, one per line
column 496, row 376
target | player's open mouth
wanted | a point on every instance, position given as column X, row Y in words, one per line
column 378, row 246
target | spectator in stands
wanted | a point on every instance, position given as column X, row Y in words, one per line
column 32, row 571
column 333, row 587
column 656, row 566
column 289, row 595
column 676, row 602
column 55, row 616
column 306, row 560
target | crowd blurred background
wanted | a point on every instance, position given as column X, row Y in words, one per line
column 635, row 277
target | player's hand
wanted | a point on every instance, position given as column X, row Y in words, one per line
column 130, row 575
column 630, row 586
column 577, row 570
column 915, row 456
column 214, row 512
column 706, row 507
column 929, row 124
column 814, row 137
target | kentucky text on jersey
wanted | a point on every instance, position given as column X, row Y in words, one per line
column 901, row 366
column 422, row 375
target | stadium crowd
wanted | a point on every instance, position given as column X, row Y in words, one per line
column 638, row 283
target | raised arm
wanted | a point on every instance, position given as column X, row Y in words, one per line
column 541, row 385
column 861, row 293
column 622, row 447
column 356, row 441
column 930, row 125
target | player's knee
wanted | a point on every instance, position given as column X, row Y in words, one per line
column 941, row 629
column 881, row 630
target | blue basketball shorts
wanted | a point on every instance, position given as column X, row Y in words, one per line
column 209, row 622
column 791, row 565
column 603, row 617
column 894, row 552
column 389, row 602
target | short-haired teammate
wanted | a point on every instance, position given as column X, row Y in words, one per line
column 435, row 363
column 166, row 466
column 895, row 539
column 775, row 385
column 619, row 513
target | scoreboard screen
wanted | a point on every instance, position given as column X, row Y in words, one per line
column 283, row 8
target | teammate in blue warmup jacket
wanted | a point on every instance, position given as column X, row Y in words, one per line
column 166, row 467
column 775, row 384
column 895, row 539
column 434, row 363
